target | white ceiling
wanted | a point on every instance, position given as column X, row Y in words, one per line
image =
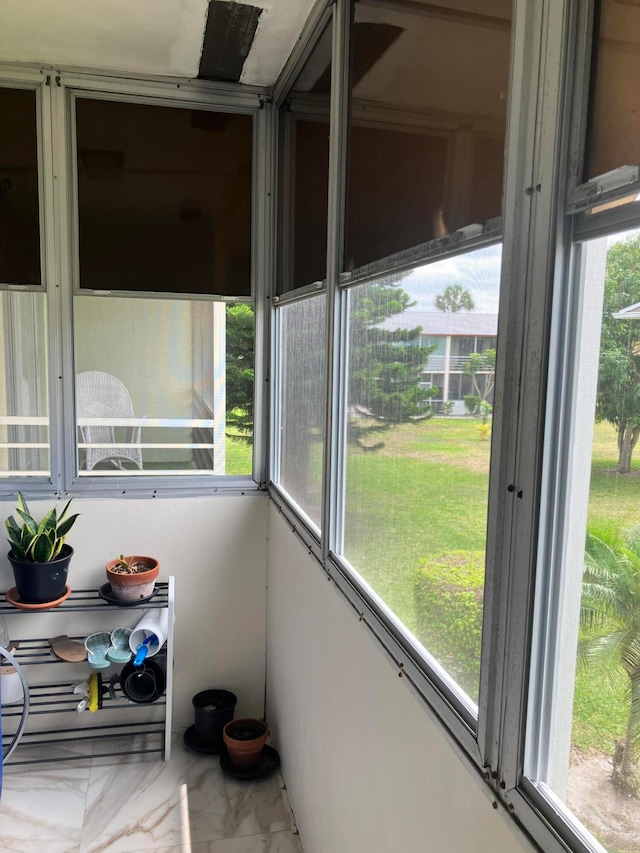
column 157, row 37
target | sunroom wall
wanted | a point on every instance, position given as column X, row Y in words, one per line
column 220, row 579
column 367, row 769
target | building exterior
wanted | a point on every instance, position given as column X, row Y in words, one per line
column 455, row 336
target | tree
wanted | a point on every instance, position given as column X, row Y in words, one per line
column 481, row 364
column 384, row 366
column 453, row 299
column 610, row 633
column 618, row 400
column 240, row 371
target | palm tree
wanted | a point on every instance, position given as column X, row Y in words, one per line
column 610, row 636
column 453, row 299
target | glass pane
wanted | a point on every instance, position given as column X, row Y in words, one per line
column 613, row 135
column 19, row 216
column 418, row 449
column 163, row 387
column 164, row 199
column 590, row 759
column 24, row 399
column 428, row 109
column 305, row 169
column 301, row 402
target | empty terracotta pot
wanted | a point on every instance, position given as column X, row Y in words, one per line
column 245, row 740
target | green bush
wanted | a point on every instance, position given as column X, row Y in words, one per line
column 472, row 403
column 448, row 593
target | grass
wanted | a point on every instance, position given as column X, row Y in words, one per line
column 425, row 492
column 401, row 510
column 599, row 714
column 238, row 457
column 613, row 496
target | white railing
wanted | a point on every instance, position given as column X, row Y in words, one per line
column 186, row 423
column 438, row 364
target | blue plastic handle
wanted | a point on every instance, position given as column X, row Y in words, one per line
column 143, row 649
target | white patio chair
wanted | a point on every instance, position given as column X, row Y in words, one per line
column 101, row 395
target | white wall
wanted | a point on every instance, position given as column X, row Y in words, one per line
column 216, row 549
column 367, row 769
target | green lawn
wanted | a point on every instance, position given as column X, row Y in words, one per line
column 613, row 497
column 402, row 510
column 239, row 457
column 425, row 492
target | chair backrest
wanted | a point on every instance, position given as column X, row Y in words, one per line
column 102, row 395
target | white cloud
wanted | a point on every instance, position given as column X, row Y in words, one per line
column 478, row 272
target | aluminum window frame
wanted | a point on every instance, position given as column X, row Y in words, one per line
column 56, row 141
column 41, row 81
column 549, row 80
column 320, row 19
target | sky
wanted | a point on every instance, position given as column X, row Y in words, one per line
column 478, row 272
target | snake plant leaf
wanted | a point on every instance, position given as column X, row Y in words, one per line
column 38, row 543
column 49, row 522
column 29, row 521
column 64, row 511
column 22, row 504
column 66, row 526
column 41, row 549
column 11, row 524
column 15, row 538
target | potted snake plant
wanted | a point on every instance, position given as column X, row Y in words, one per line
column 39, row 554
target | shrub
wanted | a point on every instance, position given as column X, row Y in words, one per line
column 448, row 592
column 472, row 403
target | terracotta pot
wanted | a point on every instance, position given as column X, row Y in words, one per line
column 245, row 740
column 132, row 587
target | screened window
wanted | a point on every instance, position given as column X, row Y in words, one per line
column 428, row 107
column 19, row 211
column 304, row 122
column 24, row 398
column 589, row 759
column 417, row 459
column 163, row 386
column 164, row 199
column 301, row 403
column 613, row 136
column 24, row 405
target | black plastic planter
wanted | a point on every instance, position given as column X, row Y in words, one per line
column 38, row 583
column 213, row 709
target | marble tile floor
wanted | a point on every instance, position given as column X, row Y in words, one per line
column 122, row 805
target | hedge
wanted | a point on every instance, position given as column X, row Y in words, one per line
column 448, row 592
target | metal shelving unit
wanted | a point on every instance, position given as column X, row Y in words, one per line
column 120, row 726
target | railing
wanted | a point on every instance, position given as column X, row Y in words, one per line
column 209, row 447
column 172, row 423
column 438, row 364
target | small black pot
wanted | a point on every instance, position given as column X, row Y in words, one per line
column 213, row 709
column 38, row 583
column 145, row 683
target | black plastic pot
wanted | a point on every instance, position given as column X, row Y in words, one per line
column 38, row 583
column 213, row 709
column 145, row 683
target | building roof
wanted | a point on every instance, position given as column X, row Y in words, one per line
column 631, row 312
column 444, row 323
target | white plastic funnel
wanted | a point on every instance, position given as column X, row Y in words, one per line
column 155, row 623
